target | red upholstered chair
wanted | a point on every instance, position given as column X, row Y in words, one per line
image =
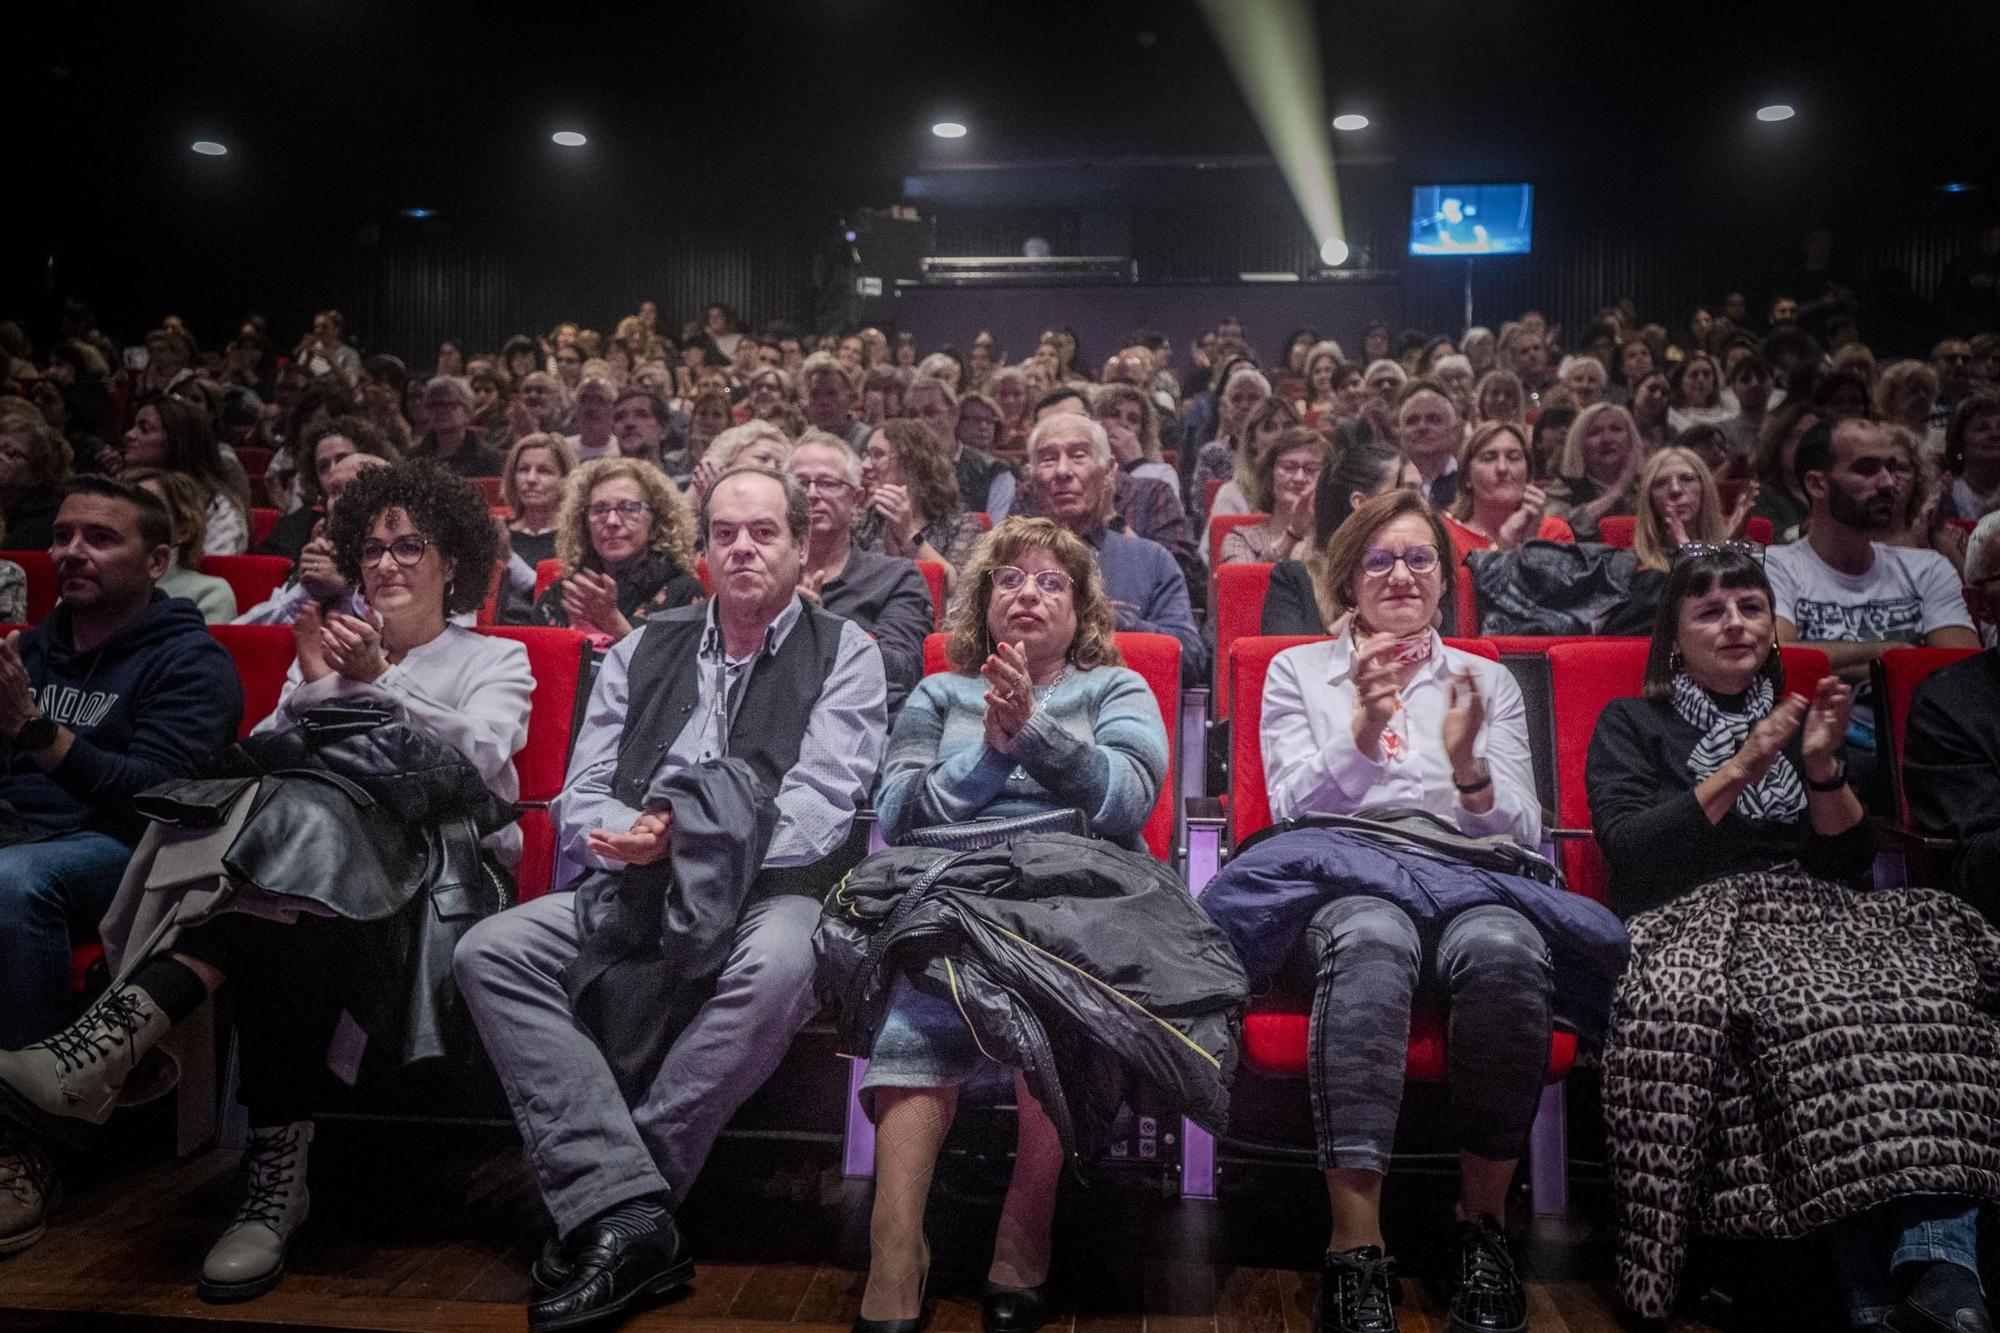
column 985, row 520
column 934, row 578
column 1583, row 678
column 43, row 593
column 1466, row 598
column 256, row 460
column 1276, row 1028
column 1619, row 529
column 1208, row 493
column 1220, row 526
column 1157, row 657
column 1238, row 611
column 490, row 488
column 560, row 662
column 263, row 654
column 1897, row 673
column 546, row 572
column 262, row 523
column 251, row 577
column 489, row 610
column 701, row 572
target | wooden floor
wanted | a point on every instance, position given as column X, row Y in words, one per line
column 432, row 1228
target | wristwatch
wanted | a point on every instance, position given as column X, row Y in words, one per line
column 1835, row 783
column 37, row 733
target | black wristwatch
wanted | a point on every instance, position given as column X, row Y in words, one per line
column 1476, row 786
column 36, row 734
column 1834, row 783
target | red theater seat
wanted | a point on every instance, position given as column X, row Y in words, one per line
column 1208, row 492
column 251, row 577
column 1897, row 674
column 256, row 460
column 490, row 488
column 263, row 522
column 1220, row 526
column 546, row 572
column 1238, row 612
column 1157, row 657
column 263, row 654
column 560, row 662
column 1619, row 529
column 934, row 578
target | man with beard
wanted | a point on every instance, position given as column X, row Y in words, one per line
column 1852, row 597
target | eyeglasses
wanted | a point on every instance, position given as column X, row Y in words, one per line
column 1379, row 560
column 407, row 551
column 1009, row 579
column 1309, row 468
column 629, row 510
column 831, row 485
column 1689, row 550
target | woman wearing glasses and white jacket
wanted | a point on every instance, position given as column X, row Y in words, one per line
column 1385, row 716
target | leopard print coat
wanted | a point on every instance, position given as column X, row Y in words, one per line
column 1784, row 1053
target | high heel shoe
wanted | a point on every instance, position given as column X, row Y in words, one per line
column 901, row 1325
column 1015, row 1309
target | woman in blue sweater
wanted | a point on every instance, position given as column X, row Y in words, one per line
column 1037, row 715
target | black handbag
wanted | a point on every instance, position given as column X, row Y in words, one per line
column 973, row 835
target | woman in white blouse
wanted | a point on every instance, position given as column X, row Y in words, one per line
column 1385, row 715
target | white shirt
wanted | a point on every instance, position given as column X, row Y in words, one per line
column 1905, row 594
column 1311, row 762
column 584, row 454
column 469, row 690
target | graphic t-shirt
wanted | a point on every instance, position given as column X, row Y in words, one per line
column 1905, row 595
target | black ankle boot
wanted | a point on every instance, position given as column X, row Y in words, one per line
column 1486, row 1293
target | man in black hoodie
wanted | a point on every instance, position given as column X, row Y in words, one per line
column 122, row 688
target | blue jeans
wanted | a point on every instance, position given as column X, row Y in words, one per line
column 1917, row 1230
column 51, row 893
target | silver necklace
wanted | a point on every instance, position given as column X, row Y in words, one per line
column 1042, row 693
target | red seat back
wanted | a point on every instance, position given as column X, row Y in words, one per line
column 1897, row 674
column 256, row 460
column 263, row 522
column 985, row 520
column 1238, row 611
column 1583, row 678
column 560, row 662
column 1619, row 529
column 263, row 654
column 251, row 577
column 934, row 577
column 1465, row 596
column 546, row 572
column 1220, row 526
column 1250, row 662
column 40, row 567
column 490, row 488
column 1208, row 491
column 1157, row 657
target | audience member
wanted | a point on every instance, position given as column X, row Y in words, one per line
column 34, row 464
column 1243, row 391
column 1267, row 422
column 1718, row 778
column 1498, row 505
column 182, row 497
column 1680, row 505
column 1386, row 715
column 884, row 594
column 1430, row 432
column 1070, row 468
column 1649, row 406
column 1131, row 420
column 626, row 543
column 167, row 433
column 1292, row 603
column 448, row 438
column 122, row 688
column 912, row 506
column 1499, row 397
column 985, row 484
column 319, row 448
column 794, row 697
column 316, row 579
column 531, row 482
column 1599, row 470
column 1037, row 715
column 1951, row 760
column 1286, row 480
column 1971, row 459
column 1584, row 377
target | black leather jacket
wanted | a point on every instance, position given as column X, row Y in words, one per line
column 380, row 823
column 1027, row 939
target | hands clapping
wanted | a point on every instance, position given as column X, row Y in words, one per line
column 1525, row 521
column 1010, row 695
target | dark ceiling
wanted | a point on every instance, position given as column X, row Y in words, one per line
column 341, row 112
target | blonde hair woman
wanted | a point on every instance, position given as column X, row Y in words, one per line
column 1599, row 469
column 1680, row 505
column 626, row 542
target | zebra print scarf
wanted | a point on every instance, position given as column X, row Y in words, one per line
column 1778, row 796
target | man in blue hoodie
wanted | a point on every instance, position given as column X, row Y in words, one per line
column 122, row 688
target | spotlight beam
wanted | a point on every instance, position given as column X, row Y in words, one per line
column 1272, row 48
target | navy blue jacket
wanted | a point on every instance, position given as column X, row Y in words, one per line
column 1266, row 896
column 147, row 706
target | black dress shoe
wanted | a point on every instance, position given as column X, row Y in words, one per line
column 613, row 1267
column 553, row 1267
column 1355, row 1294
column 1014, row 1309
column 1487, row 1295
column 888, row 1325
column 1915, row 1316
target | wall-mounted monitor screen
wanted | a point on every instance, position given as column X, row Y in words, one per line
column 1471, row 220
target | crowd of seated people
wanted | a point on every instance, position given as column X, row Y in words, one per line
column 753, row 536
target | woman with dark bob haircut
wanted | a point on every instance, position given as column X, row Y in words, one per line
column 1741, row 857
column 302, row 946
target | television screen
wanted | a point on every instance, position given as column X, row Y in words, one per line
column 1472, row 219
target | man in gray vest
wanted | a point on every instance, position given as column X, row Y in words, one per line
column 755, row 674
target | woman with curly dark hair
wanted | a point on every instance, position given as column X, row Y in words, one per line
column 302, row 946
column 913, row 498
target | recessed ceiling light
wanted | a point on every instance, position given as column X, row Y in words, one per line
column 419, row 214
column 209, row 148
column 1957, row 187
column 1350, row 122
column 569, row 138
column 1775, row 111
column 948, row 129
column 1333, row 253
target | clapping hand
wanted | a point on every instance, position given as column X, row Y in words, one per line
column 1525, row 521
column 1377, row 690
column 317, row 572
column 898, row 517
column 1463, row 718
column 1010, row 695
column 309, row 643
column 645, row 843
column 590, row 600
column 1760, row 749
column 1825, row 728
column 353, row 647
column 1739, row 517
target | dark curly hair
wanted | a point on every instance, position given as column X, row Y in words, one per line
column 445, row 507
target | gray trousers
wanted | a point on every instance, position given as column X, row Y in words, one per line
column 588, row 1150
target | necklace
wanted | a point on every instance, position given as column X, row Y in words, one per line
column 1042, row 693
